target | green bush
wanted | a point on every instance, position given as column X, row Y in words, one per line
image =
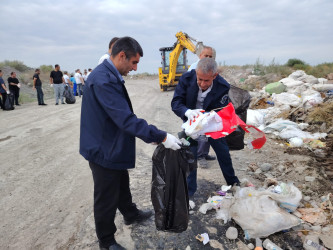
column 18, row 65
column 294, row 61
column 321, row 70
column 45, row 68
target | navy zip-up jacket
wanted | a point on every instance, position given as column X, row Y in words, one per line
column 108, row 124
column 186, row 94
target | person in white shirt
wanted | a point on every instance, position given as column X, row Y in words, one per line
column 67, row 80
column 203, row 146
column 107, row 55
column 79, row 81
column 85, row 75
column 89, row 71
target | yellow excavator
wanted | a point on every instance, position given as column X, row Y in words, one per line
column 174, row 60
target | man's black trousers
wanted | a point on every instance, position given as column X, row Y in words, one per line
column 111, row 191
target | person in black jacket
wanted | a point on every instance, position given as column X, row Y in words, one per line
column 107, row 139
column 204, row 89
column 14, row 87
column 38, row 86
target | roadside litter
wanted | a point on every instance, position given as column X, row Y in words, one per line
column 259, row 212
column 204, row 238
column 292, row 97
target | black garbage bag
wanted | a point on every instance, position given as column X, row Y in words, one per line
column 169, row 193
column 241, row 99
column 9, row 103
column 69, row 97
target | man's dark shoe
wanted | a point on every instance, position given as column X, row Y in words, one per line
column 18, row 104
column 44, row 104
column 56, row 104
column 141, row 216
column 210, row 158
column 114, row 246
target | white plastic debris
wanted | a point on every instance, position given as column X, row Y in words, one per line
column 205, row 207
column 286, row 98
column 204, row 238
column 323, row 87
column 192, row 204
column 225, row 188
column 204, row 123
column 311, row 98
column 296, row 142
column 262, row 213
column 255, row 118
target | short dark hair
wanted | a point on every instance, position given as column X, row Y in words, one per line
column 56, row 65
column 37, row 70
column 113, row 40
column 89, row 69
column 0, row 70
column 129, row 45
column 12, row 73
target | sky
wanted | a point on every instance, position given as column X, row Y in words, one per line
column 75, row 34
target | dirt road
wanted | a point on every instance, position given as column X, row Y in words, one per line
column 46, row 194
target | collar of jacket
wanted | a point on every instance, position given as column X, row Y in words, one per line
column 195, row 89
column 113, row 69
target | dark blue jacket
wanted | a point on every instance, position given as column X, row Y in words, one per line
column 186, row 93
column 108, row 124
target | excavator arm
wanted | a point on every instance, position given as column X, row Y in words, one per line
column 171, row 78
column 183, row 41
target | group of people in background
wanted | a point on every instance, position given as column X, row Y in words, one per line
column 74, row 81
column 14, row 86
column 57, row 80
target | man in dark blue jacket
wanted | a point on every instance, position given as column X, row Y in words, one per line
column 107, row 139
column 204, row 89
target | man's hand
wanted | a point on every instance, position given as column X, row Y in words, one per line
column 191, row 114
column 172, row 142
column 8, row 92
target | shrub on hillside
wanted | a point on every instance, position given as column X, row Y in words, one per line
column 321, row 70
column 18, row 65
column 46, row 68
column 294, row 61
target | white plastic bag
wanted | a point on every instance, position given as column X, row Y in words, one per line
column 290, row 132
column 259, row 214
column 296, row 142
column 254, row 118
column 279, row 125
column 204, row 123
column 311, row 98
column 286, row 98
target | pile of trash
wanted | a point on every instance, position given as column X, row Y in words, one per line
column 273, row 106
column 261, row 212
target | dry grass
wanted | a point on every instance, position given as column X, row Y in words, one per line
column 323, row 113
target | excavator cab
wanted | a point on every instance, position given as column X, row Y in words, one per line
column 174, row 60
column 181, row 67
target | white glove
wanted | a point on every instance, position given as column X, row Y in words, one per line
column 8, row 92
column 191, row 114
column 172, row 142
column 51, row 85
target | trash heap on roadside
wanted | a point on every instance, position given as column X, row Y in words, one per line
column 291, row 98
column 275, row 207
column 282, row 110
